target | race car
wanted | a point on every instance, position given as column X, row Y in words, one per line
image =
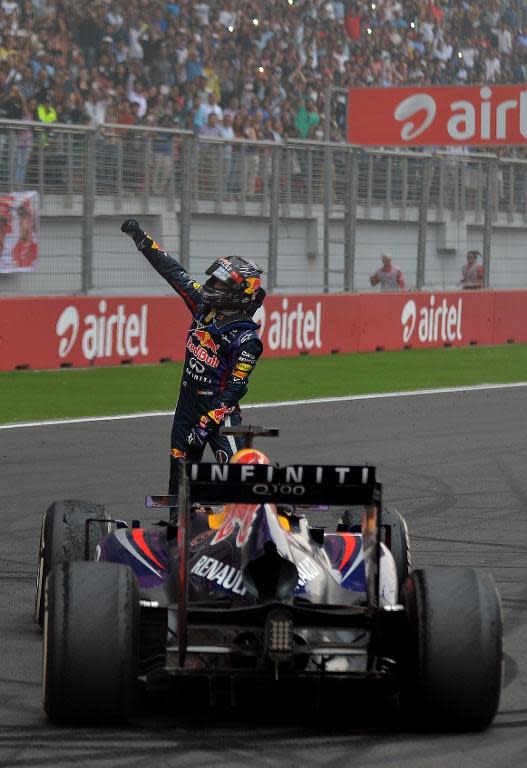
column 242, row 589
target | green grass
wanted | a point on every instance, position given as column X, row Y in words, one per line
column 33, row 395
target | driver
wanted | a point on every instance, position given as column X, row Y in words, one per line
column 221, row 351
column 246, row 456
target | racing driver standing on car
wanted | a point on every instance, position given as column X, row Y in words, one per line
column 221, row 351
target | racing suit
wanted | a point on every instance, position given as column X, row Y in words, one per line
column 221, row 352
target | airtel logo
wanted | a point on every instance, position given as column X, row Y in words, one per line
column 103, row 335
column 292, row 328
column 441, row 323
column 419, row 102
column 483, row 119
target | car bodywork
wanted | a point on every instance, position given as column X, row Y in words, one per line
column 218, row 582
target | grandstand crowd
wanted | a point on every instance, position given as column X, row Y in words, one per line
column 242, row 68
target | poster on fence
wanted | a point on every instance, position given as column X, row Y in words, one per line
column 19, row 231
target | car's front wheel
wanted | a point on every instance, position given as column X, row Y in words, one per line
column 91, row 639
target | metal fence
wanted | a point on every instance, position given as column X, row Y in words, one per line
column 317, row 213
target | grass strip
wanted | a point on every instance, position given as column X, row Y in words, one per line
column 35, row 395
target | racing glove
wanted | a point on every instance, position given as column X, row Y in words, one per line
column 132, row 228
column 208, row 422
column 197, row 437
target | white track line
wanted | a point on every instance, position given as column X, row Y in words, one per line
column 281, row 404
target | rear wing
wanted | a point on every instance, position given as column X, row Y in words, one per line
column 302, row 484
column 299, row 484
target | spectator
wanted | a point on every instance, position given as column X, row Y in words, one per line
column 212, row 129
column 212, row 106
column 199, row 116
column 46, row 111
column 227, row 134
column 289, row 55
column 389, row 276
column 24, row 140
column 95, row 106
column 163, row 162
column 472, row 272
column 306, row 119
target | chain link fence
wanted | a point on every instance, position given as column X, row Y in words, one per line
column 316, row 215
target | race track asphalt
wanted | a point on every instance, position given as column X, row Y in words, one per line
column 455, row 464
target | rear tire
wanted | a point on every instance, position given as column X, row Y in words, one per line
column 452, row 654
column 91, row 641
column 62, row 540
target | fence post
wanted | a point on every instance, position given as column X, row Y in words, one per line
column 88, row 214
column 11, row 158
column 185, row 203
column 171, row 195
column 350, row 218
column 68, row 198
column 119, row 182
column 423, row 222
column 487, row 224
column 147, row 167
column 217, row 165
column 274, row 217
column 326, row 202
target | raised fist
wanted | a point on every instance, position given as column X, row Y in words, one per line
column 131, row 227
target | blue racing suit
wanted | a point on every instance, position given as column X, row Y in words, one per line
column 221, row 352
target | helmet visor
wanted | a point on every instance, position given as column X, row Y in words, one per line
column 225, row 273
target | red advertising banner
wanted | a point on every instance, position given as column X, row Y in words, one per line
column 85, row 331
column 438, row 116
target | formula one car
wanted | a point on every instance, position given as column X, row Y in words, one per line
column 242, row 589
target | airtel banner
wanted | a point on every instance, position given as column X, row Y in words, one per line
column 438, row 116
column 79, row 331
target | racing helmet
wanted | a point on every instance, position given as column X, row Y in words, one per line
column 233, row 283
column 249, row 456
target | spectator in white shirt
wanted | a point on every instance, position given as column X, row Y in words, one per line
column 227, row 17
column 136, row 96
column 202, row 13
column 504, row 40
column 492, row 66
column 212, row 106
column 442, row 50
column 389, row 276
column 469, row 56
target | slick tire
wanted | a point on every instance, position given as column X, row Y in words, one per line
column 62, row 540
column 452, row 653
column 394, row 535
column 91, row 641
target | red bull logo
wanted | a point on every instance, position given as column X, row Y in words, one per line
column 201, row 354
column 237, row 516
column 177, row 454
column 253, row 283
column 218, row 414
column 205, row 340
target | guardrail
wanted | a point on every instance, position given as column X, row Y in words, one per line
column 73, row 167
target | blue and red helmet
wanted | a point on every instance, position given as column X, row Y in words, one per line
column 234, row 283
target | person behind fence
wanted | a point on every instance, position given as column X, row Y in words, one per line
column 472, row 272
column 389, row 276
column 222, row 349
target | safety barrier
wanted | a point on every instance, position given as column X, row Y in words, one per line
column 80, row 332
